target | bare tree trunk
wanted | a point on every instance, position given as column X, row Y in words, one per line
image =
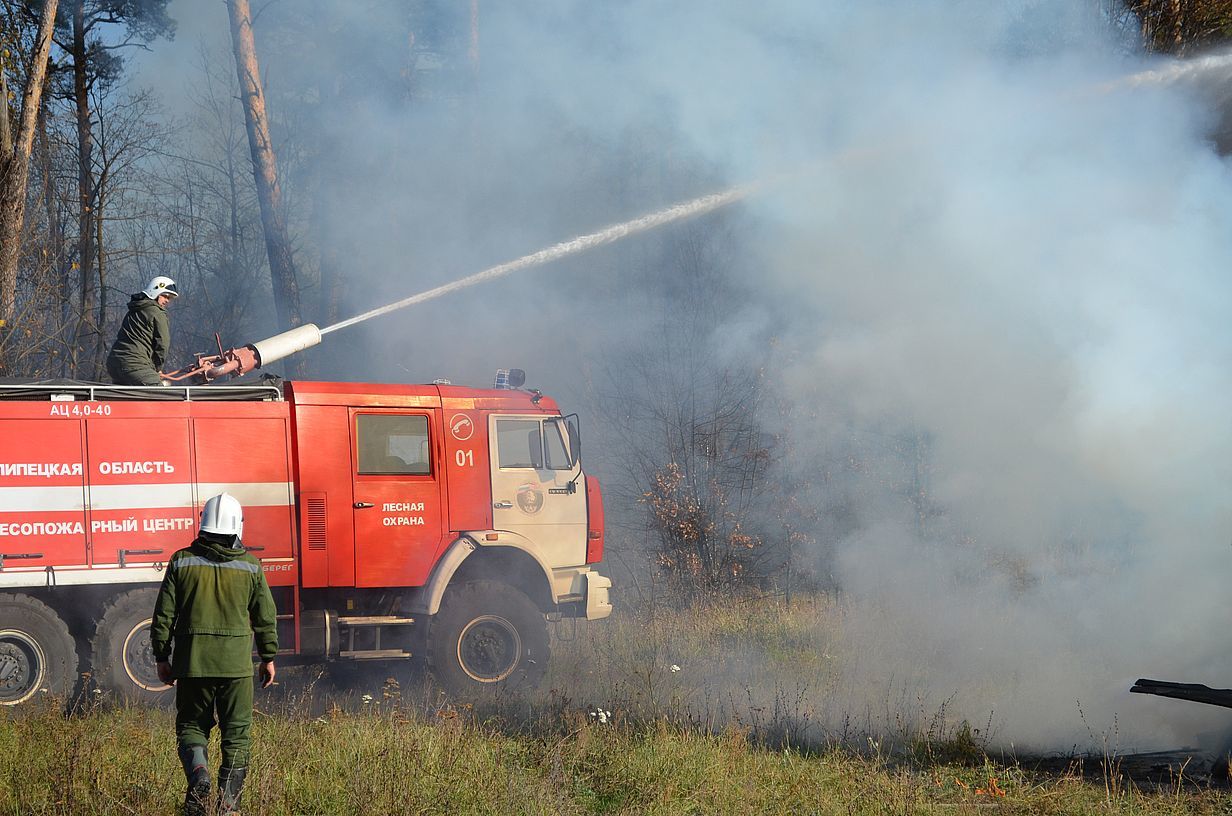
column 264, row 168
column 100, row 342
column 55, row 247
column 233, row 213
column 85, row 181
column 1146, row 19
column 6, row 128
column 1178, row 28
column 15, row 177
column 331, row 277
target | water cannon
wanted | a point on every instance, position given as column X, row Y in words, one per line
column 236, row 362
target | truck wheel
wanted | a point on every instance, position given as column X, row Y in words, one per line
column 37, row 652
column 487, row 635
column 123, row 658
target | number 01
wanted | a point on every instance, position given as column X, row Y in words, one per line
column 464, row 458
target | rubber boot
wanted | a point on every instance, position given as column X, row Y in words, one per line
column 230, row 788
column 197, row 771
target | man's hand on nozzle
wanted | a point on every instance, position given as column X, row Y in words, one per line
column 267, row 672
column 164, row 672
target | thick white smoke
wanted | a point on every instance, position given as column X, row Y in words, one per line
column 999, row 283
column 1032, row 274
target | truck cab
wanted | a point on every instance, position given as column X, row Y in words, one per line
column 444, row 493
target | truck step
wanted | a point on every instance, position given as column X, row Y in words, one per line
column 375, row 654
column 375, row 620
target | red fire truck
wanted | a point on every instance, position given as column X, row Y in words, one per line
column 390, row 521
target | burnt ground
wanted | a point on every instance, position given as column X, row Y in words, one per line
column 1181, row 767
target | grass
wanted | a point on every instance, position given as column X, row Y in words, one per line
column 404, row 761
column 713, row 737
column 713, row 664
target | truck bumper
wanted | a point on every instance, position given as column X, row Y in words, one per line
column 598, row 602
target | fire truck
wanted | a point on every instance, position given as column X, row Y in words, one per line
column 391, row 521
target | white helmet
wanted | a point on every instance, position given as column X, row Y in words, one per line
column 223, row 515
column 161, row 285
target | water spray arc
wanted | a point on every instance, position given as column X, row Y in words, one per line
column 1174, row 71
column 677, row 212
column 238, row 361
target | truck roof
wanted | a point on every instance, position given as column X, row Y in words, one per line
column 300, row 392
column 19, row 390
column 303, row 392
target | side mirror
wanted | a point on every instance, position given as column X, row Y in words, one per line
column 575, row 440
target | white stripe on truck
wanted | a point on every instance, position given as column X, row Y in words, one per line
column 139, row 497
column 41, row 499
column 250, row 494
column 126, row 497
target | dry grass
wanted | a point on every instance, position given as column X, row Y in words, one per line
column 676, row 742
column 404, row 761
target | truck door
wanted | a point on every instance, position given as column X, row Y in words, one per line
column 42, row 493
column 397, row 496
column 141, row 498
column 248, row 459
column 536, row 491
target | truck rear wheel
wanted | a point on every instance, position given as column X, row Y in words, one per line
column 487, row 636
column 37, row 652
column 123, row 658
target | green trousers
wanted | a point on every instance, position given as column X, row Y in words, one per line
column 198, row 699
column 124, row 376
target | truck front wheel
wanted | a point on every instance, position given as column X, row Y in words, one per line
column 487, row 636
column 123, row 659
column 37, row 652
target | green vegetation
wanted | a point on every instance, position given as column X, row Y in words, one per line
column 383, row 762
column 616, row 731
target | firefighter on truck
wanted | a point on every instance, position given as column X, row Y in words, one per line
column 213, row 599
column 140, row 347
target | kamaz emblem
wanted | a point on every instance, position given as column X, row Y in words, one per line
column 530, row 499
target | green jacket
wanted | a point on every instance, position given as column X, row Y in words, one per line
column 144, row 337
column 213, row 600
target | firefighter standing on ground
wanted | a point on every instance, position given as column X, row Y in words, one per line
column 213, row 600
column 141, row 345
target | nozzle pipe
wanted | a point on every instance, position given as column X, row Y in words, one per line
column 285, row 344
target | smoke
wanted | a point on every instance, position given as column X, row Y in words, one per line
column 1027, row 282
column 997, row 285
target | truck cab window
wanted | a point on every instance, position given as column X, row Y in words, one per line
column 391, row 444
column 531, row 443
column 519, row 443
column 554, row 446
